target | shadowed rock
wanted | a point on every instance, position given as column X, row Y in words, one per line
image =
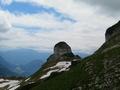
column 112, row 31
column 61, row 48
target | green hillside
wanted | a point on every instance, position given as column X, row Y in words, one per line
column 100, row 71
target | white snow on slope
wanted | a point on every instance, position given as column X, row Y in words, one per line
column 59, row 67
column 1, row 80
column 27, row 79
column 11, row 84
column 15, row 87
column 49, row 73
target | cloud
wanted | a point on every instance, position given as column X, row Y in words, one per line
column 87, row 34
column 106, row 6
column 69, row 7
column 6, row 2
column 83, row 36
column 5, row 25
column 74, row 8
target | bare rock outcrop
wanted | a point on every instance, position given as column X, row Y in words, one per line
column 61, row 51
column 112, row 31
column 61, row 48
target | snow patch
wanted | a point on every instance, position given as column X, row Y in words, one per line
column 11, row 84
column 27, row 79
column 59, row 67
column 15, row 87
column 48, row 74
column 1, row 80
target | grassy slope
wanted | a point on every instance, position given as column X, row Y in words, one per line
column 77, row 76
column 41, row 72
column 85, row 73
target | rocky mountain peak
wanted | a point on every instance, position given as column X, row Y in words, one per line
column 60, row 60
column 61, row 48
column 112, row 37
column 112, row 31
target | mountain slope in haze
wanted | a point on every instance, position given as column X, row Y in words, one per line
column 100, row 71
column 23, row 56
column 25, row 62
column 30, row 68
column 5, row 68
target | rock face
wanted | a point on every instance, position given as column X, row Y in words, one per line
column 61, row 48
column 112, row 31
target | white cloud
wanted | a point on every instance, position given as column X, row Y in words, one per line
column 5, row 25
column 86, row 34
column 38, row 20
column 111, row 7
column 6, row 2
column 69, row 7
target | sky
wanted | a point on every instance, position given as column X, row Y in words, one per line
column 40, row 24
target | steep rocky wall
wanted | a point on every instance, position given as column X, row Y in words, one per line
column 112, row 31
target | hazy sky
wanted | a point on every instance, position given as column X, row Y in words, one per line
column 40, row 24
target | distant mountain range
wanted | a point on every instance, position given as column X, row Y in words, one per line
column 25, row 62
column 29, row 68
column 23, row 56
column 6, row 68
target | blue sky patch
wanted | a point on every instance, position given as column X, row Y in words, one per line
column 20, row 7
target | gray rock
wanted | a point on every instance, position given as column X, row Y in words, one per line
column 62, row 48
column 112, row 31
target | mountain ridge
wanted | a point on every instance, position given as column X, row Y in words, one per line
column 100, row 71
column 6, row 68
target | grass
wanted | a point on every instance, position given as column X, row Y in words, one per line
column 78, row 75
